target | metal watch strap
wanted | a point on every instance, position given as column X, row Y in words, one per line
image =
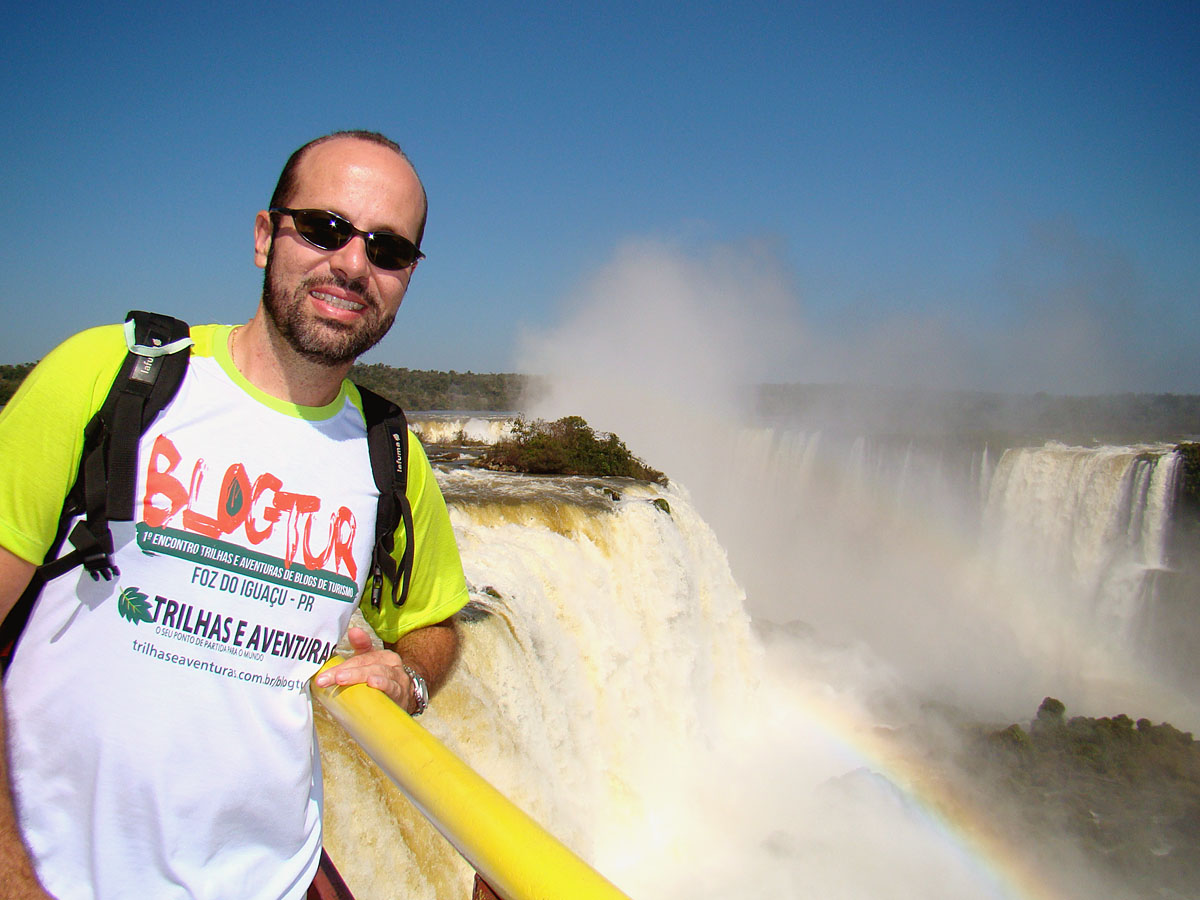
column 420, row 690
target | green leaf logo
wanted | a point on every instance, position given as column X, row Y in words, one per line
column 134, row 606
column 234, row 498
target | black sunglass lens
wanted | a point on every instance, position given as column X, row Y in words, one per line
column 390, row 251
column 327, row 231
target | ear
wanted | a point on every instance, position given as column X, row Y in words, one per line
column 263, row 231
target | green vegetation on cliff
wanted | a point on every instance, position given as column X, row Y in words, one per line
column 568, row 446
column 1127, row 792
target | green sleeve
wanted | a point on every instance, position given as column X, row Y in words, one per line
column 438, row 587
column 41, row 436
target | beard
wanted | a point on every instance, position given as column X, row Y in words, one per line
column 323, row 341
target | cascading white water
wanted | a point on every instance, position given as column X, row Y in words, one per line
column 937, row 560
column 615, row 646
column 449, row 428
column 1090, row 522
column 615, row 690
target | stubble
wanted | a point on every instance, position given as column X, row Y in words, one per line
column 323, row 341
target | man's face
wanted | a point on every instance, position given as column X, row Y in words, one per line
column 333, row 305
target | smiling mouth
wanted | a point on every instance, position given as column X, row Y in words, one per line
column 338, row 302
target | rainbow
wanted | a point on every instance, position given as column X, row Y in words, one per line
column 1001, row 865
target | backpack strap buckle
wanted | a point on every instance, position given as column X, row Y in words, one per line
column 95, row 553
column 100, row 566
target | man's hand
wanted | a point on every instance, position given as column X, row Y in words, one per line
column 380, row 669
column 429, row 651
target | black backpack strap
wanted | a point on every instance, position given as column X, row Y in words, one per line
column 148, row 380
column 153, row 371
column 107, row 479
column 387, row 442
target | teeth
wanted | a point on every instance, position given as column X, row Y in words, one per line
column 338, row 302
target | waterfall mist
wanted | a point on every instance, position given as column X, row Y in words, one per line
column 871, row 560
column 819, row 524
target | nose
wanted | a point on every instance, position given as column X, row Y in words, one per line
column 351, row 260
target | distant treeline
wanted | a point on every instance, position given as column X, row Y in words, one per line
column 417, row 389
column 413, row 389
column 1110, row 418
column 11, row 378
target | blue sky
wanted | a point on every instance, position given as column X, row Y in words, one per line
column 995, row 195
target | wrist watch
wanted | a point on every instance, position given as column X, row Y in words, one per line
column 420, row 691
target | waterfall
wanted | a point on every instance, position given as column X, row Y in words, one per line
column 612, row 684
column 983, row 583
column 608, row 645
column 485, row 428
column 1091, row 524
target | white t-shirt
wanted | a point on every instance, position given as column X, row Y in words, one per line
column 160, row 724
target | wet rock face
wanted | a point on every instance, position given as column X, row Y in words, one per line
column 1127, row 792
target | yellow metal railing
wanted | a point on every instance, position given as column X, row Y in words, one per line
column 518, row 858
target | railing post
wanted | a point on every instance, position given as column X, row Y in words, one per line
column 483, row 891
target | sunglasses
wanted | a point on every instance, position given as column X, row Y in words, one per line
column 329, row 231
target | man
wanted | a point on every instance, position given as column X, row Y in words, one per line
column 159, row 728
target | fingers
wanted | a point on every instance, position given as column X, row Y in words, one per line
column 379, row 669
column 382, row 675
column 360, row 641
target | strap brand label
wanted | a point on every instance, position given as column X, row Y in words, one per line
column 145, row 369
